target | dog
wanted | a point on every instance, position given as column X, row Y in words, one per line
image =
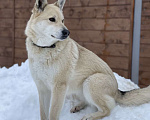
column 61, row 67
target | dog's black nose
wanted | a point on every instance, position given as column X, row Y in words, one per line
column 65, row 33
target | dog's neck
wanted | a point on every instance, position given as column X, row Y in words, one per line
column 52, row 46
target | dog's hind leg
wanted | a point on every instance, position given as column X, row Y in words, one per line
column 44, row 99
column 98, row 91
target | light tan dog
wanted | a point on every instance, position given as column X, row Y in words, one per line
column 61, row 67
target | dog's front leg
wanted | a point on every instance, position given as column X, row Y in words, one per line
column 57, row 100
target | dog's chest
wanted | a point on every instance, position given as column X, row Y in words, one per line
column 44, row 70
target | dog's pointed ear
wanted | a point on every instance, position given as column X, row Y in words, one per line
column 60, row 4
column 40, row 4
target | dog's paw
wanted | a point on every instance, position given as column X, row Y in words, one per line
column 75, row 109
column 87, row 117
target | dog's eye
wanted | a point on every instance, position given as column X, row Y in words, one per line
column 52, row 19
column 63, row 21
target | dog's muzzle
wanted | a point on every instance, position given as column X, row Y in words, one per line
column 65, row 34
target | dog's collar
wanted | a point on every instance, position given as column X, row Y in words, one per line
column 52, row 46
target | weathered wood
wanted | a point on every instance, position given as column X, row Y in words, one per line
column 6, row 32
column 116, row 62
column 116, row 50
column 119, row 11
column 20, row 53
column 5, row 42
column 118, row 24
column 20, row 43
column 6, row 4
column 5, row 52
column 87, row 2
column 5, row 61
column 19, row 33
column 30, row 3
column 21, row 23
column 145, row 50
column 6, row 23
column 145, row 37
column 146, row 9
column 6, row 13
column 144, row 78
column 117, row 37
column 98, row 12
column 95, row 47
column 85, row 24
column 85, row 12
column 108, row 49
column 23, row 13
column 87, row 36
column 119, row 2
column 144, row 64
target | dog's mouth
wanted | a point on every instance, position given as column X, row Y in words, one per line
column 62, row 38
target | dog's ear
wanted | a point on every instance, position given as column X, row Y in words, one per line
column 40, row 4
column 60, row 4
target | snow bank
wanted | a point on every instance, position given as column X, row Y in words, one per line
column 19, row 99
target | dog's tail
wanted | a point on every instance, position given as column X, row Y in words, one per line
column 134, row 97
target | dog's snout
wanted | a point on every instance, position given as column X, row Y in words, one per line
column 65, row 32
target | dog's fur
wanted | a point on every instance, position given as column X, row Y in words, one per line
column 70, row 68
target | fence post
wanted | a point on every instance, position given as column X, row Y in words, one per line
column 136, row 41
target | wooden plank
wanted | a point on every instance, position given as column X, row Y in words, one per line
column 144, row 64
column 98, row 36
column 5, row 42
column 95, row 47
column 116, row 50
column 6, row 4
column 20, row 43
column 5, row 61
column 19, row 33
column 144, row 50
column 5, row 51
column 117, row 37
column 116, row 62
column 98, row 12
column 30, row 3
column 123, row 73
column 88, row 2
column 119, row 11
column 146, row 9
column 24, row 3
column 118, row 24
column 20, row 53
column 85, row 24
column 6, row 32
column 144, row 78
column 6, row 23
column 85, row 12
column 21, row 23
column 19, row 60
column 145, row 37
column 119, row 2
column 87, row 36
column 145, row 41
column 23, row 13
column 6, row 13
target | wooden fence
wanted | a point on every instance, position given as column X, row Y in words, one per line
column 103, row 26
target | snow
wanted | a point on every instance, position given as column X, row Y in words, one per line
column 19, row 99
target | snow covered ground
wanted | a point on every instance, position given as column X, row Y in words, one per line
column 19, row 99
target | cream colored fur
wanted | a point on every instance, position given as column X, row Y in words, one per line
column 70, row 69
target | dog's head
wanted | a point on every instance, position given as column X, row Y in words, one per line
column 46, row 25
